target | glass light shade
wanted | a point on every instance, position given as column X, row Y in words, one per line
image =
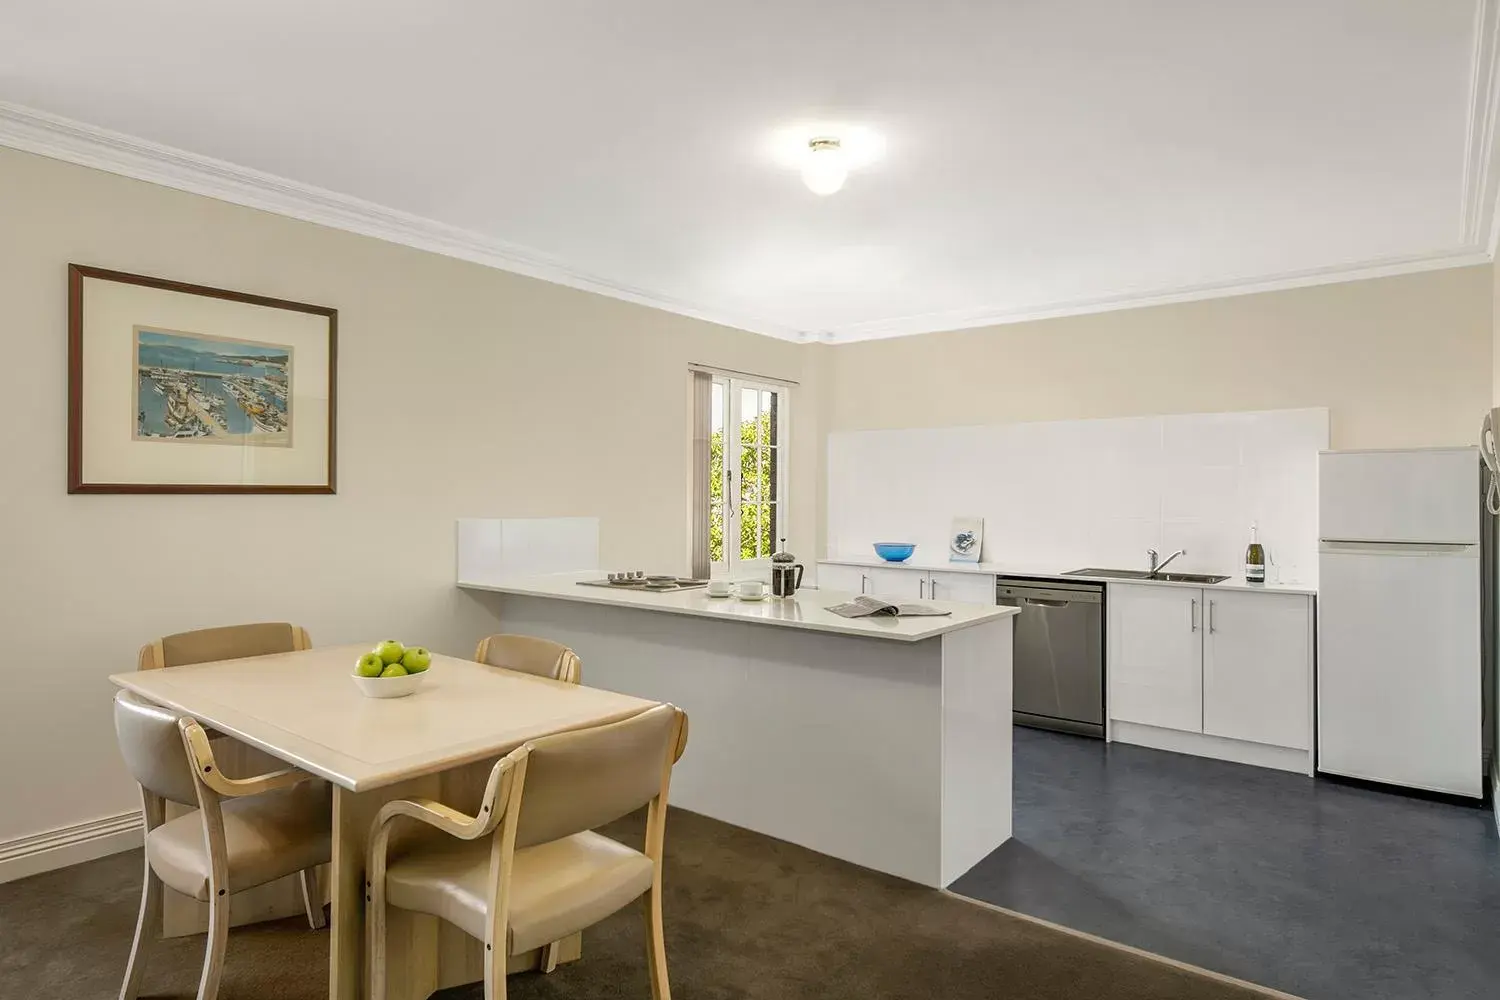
column 825, row 169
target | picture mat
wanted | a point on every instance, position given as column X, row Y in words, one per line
column 111, row 312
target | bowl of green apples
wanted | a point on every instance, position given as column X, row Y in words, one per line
column 391, row 670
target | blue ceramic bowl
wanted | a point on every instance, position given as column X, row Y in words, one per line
column 895, row 551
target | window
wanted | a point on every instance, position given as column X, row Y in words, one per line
column 746, row 478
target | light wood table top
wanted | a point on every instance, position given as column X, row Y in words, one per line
column 303, row 708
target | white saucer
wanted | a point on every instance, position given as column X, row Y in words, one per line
column 718, row 597
column 762, row 597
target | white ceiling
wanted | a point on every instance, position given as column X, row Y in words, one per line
column 1042, row 156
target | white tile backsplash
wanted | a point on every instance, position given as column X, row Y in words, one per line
column 1090, row 492
column 493, row 548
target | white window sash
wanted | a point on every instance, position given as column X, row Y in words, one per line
column 731, row 564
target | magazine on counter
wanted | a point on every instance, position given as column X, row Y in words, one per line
column 865, row 607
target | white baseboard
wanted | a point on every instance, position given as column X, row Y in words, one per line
column 69, row 845
column 1217, row 747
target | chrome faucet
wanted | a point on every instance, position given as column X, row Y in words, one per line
column 1157, row 567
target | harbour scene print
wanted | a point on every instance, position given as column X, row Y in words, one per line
column 206, row 389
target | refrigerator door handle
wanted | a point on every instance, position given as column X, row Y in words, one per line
column 1334, row 546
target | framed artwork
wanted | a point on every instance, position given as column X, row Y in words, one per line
column 177, row 388
column 966, row 539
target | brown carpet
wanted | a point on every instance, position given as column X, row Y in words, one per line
column 746, row 917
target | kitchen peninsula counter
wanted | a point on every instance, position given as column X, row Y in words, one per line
column 882, row 741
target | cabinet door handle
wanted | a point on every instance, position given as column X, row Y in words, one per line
column 1193, row 614
column 932, row 589
column 1210, row 617
column 922, row 588
column 863, row 581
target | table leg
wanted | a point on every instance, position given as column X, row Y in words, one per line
column 353, row 813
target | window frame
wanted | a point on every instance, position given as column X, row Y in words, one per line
column 731, row 564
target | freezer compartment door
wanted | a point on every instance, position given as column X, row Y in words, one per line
column 1399, row 496
column 1399, row 697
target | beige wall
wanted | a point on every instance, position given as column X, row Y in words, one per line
column 463, row 391
column 1403, row 361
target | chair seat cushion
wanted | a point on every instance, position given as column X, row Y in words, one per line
column 556, row 888
column 266, row 837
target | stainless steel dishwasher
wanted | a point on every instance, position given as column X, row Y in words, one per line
column 1059, row 653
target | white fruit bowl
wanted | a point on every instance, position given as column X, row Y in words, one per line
column 389, row 687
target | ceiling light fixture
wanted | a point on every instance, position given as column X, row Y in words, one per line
column 826, row 167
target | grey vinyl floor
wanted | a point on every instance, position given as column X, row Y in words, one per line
column 1320, row 889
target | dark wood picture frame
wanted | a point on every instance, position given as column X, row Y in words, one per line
column 77, row 273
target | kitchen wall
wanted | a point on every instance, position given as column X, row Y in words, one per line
column 1398, row 362
column 463, row 391
column 1060, row 495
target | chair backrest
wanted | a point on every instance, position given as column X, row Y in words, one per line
column 581, row 780
column 153, row 749
column 530, row 655
column 227, row 643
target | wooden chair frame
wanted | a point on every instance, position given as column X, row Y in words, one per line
column 568, row 668
column 213, row 787
column 153, row 657
column 499, row 811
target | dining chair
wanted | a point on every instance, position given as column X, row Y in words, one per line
column 527, row 870
column 244, row 832
column 230, row 642
column 531, row 655
column 233, row 642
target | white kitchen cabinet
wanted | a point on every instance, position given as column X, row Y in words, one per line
column 1155, row 659
column 901, row 584
column 967, row 588
column 850, row 579
column 1257, row 667
column 909, row 583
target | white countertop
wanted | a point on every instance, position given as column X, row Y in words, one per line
column 807, row 610
column 1057, row 573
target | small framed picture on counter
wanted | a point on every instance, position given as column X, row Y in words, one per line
column 966, row 539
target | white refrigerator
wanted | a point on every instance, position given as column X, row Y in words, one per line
column 1402, row 552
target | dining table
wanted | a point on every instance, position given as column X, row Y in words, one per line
column 303, row 708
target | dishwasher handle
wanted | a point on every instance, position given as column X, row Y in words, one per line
column 1044, row 603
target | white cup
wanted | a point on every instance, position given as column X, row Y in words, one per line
column 720, row 588
column 751, row 588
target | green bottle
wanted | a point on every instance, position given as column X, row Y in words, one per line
column 1255, row 560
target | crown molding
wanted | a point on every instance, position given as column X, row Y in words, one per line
column 60, row 138
column 34, row 131
column 938, row 322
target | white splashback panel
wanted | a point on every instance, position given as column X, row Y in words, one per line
column 1077, row 493
column 494, row 548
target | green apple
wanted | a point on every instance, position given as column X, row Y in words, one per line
column 369, row 665
column 416, row 660
column 391, row 651
column 394, row 670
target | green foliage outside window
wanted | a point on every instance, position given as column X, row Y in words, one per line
column 755, row 482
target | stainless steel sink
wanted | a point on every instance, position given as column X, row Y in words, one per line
column 1140, row 574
